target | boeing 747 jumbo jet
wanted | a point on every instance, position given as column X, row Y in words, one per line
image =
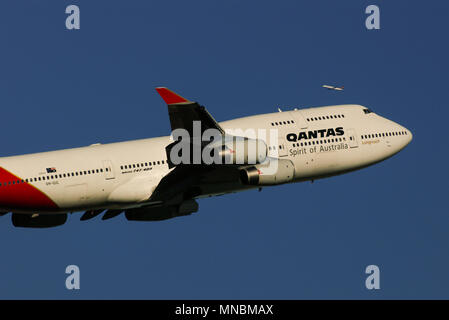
column 161, row 178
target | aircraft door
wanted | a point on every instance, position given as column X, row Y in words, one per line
column 108, row 170
column 352, row 137
column 282, row 147
column 299, row 119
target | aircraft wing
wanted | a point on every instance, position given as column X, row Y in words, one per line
column 188, row 181
column 183, row 113
column 191, row 181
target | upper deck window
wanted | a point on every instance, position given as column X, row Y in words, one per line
column 366, row 111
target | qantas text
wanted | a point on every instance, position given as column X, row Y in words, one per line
column 313, row 134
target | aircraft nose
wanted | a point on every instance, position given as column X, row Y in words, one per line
column 406, row 138
column 409, row 136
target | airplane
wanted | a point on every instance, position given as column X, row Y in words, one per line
column 328, row 87
column 143, row 180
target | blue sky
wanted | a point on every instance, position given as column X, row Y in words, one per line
column 62, row 89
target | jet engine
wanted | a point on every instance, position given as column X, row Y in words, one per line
column 239, row 150
column 226, row 150
column 273, row 171
column 38, row 220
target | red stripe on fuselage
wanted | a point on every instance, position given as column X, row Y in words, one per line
column 22, row 196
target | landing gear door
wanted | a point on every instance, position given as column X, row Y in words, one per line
column 108, row 170
column 299, row 119
column 352, row 137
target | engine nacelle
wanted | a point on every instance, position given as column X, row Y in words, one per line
column 38, row 220
column 225, row 149
column 162, row 212
column 271, row 172
column 239, row 150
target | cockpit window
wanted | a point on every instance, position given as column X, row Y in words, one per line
column 366, row 111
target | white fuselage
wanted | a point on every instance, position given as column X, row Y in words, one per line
column 123, row 175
